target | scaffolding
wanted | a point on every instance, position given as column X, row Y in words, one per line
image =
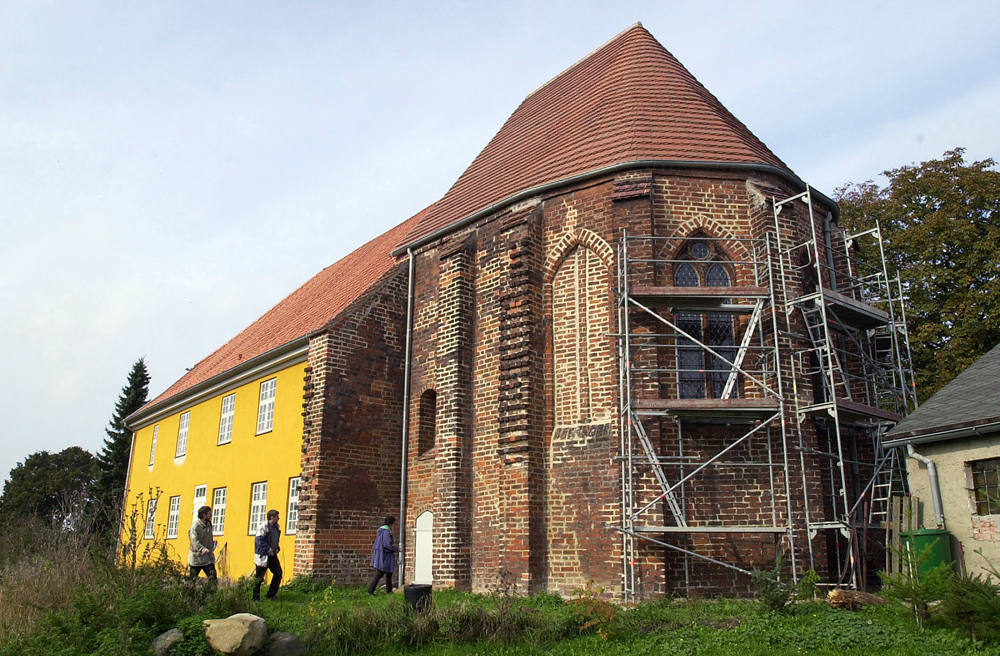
column 789, row 352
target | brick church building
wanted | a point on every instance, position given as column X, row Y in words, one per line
column 583, row 365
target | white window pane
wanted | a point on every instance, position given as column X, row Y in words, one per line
column 200, row 496
column 219, row 511
column 152, row 449
column 182, row 435
column 292, row 519
column 226, row 421
column 151, row 519
column 265, row 410
column 258, row 505
column 173, row 518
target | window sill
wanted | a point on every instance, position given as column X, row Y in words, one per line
column 269, row 430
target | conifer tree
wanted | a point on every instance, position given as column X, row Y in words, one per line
column 112, row 461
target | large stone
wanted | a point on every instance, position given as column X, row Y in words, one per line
column 166, row 641
column 238, row 635
column 285, row 644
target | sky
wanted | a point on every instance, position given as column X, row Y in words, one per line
column 169, row 170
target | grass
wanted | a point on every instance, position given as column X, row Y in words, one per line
column 66, row 596
column 347, row 621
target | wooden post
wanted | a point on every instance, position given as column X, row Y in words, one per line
column 896, row 525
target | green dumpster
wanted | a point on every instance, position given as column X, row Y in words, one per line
column 915, row 542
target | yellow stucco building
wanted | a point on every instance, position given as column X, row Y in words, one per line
column 229, row 434
column 237, row 449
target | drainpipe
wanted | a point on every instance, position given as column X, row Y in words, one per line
column 406, row 423
column 935, row 486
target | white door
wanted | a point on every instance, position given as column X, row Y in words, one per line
column 423, row 549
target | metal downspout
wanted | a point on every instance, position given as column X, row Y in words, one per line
column 935, row 484
column 406, row 422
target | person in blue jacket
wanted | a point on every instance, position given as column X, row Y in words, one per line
column 384, row 556
column 265, row 555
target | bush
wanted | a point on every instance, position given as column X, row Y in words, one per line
column 306, row 584
column 774, row 593
column 912, row 588
column 972, row 603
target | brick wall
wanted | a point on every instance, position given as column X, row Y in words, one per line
column 512, row 332
column 351, row 451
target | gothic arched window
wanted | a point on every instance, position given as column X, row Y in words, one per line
column 699, row 373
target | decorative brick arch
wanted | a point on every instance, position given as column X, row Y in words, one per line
column 712, row 229
column 580, row 237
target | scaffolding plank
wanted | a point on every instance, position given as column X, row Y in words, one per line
column 710, row 529
column 724, row 408
column 855, row 313
column 854, row 410
column 706, row 299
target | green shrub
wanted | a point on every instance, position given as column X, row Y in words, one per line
column 912, row 588
column 306, row 584
column 774, row 592
column 972, row 603
column 194, row 643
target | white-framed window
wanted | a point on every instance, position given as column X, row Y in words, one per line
column 152, row 449
column 226, row 422
column 200, row 497
column 151, row 520
column 173, row 517
column 258, row 505
column 292, row 518
column 182, row 435
column 219, row 511
column 265, row 410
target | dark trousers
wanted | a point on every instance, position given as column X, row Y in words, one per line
column 375, row 577
column 272, row 590
column 209, row 570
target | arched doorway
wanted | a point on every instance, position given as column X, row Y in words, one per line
column 423, row 548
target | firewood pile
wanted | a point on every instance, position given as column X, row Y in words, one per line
column 853, row 599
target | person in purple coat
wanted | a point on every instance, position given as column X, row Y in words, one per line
column 384, row 556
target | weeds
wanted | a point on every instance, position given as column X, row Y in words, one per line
column 593, row 611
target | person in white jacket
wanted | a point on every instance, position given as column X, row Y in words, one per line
column 201, row 553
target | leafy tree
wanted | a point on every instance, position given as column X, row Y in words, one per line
column 112, row 461
column 940, row 225
column 49, row 486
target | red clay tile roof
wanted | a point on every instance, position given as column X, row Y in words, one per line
column 306, row 309
column 629, row 100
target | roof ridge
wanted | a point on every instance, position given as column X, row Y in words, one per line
column 589, row 55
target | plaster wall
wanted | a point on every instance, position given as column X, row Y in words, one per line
column 952, row 458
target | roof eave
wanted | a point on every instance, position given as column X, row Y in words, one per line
column 277, row 358
column 784, row 174
column 981, row 428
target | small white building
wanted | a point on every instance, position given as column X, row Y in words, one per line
column 957, row 433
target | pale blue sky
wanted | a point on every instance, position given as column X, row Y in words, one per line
column 170, row 170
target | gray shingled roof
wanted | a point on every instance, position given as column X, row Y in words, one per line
column 971, row 400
